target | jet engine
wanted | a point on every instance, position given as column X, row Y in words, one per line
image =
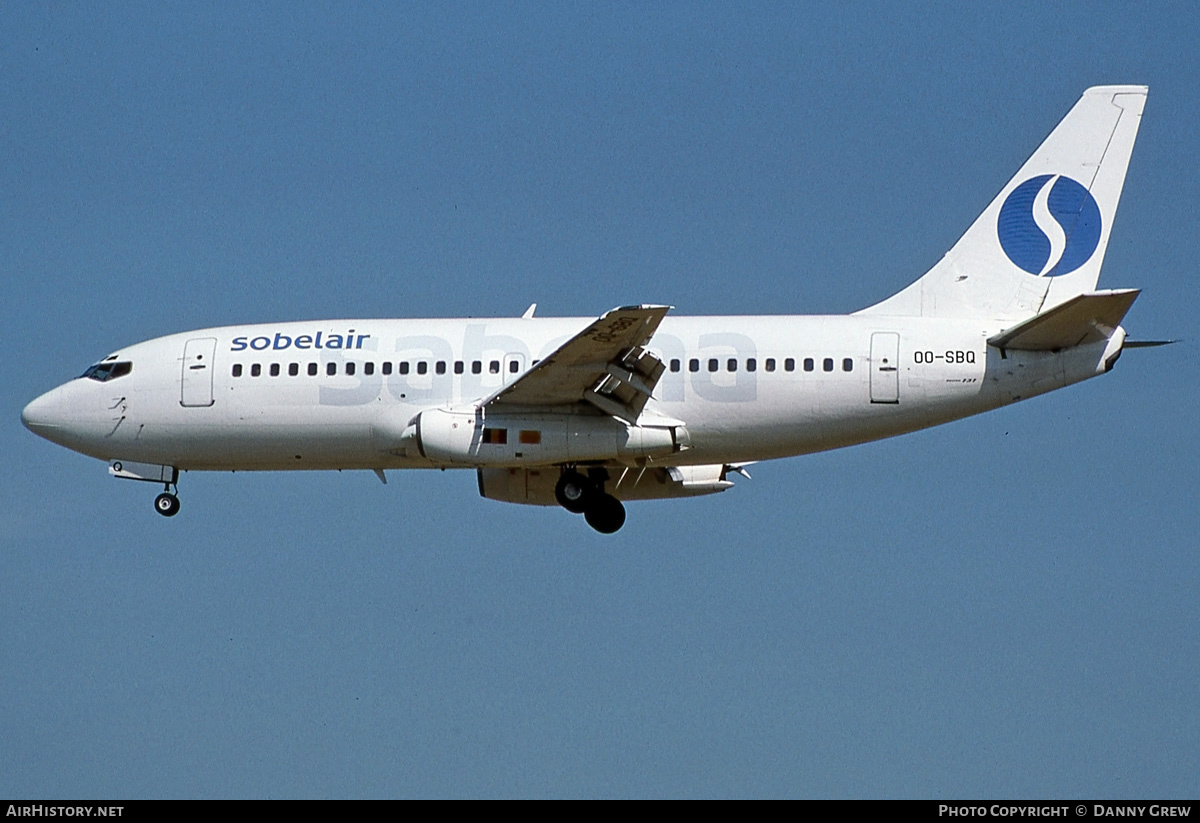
column 473, row 437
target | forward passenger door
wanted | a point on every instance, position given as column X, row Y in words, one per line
column 196, row 385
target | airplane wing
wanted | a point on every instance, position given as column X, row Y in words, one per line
column 606, row 365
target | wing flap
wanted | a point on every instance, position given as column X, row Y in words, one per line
column 1091, row 317
column 605, row 365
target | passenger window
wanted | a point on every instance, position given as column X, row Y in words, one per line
column 770, row 364
column 675, row 364
column 256, row 370
column 387, row 367
column 293, row 369
column 848, row 364
column 312, row 369
column 404, row 367
column 693, row 365
column 440, row 368
column 458, row 367
column 751, row 364
column 712, row 364
column 368, row 368
column 789, row 364
column 237, row 369
column 422, row 367
column 731, row 364
column 494, row 367
column 809, row 364
column 513, row 366
column 827, row 364
column 476, row 367
column 331, row 369
column 350, row 367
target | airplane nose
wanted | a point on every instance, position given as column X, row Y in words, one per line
column 68, row 416
column 43, row 416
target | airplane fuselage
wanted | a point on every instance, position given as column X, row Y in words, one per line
column 338, row 395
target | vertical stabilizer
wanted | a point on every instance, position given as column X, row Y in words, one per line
column 1042, row 240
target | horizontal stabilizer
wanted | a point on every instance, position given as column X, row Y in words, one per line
column 1091, row 317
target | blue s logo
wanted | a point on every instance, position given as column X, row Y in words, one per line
column 1049, row 225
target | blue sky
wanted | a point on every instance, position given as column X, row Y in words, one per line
column 1003, row 607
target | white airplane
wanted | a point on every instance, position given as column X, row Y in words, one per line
column 635, row 405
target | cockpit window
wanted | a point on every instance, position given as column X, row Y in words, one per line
column 105, row 371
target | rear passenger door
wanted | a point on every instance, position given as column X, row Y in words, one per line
column 885, row 367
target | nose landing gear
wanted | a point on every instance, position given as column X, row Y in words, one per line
column 167, row 504
column 585, row 495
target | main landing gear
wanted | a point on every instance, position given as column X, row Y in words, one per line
column 585, row 495
column 166, row 503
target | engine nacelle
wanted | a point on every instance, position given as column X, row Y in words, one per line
column 454, row 437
